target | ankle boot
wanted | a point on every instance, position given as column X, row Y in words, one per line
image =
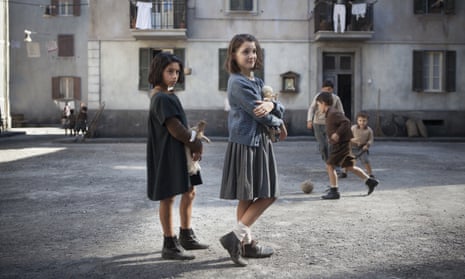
column 172, row 250
column 189, row 241
column 231, row 243
column 333, row 194
column 253, row 250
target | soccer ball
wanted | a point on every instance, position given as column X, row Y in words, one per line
column 307, row 186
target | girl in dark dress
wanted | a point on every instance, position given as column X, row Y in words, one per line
column 167, row 174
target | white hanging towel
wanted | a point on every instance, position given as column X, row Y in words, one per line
column 359, row 10
column 144, row 18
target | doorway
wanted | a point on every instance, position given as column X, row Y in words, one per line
column 338, row 67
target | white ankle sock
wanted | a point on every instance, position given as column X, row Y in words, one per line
column 242, row 232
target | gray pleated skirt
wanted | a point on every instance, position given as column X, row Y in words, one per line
column 250, row 172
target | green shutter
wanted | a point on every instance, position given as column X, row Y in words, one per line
column 223, row 75
column 261, row 73
column 144, row 64
column 450, row 70
column 77, row 88
column 419, row 6
column 417, row 76
column 180, row 53
column 449, row 6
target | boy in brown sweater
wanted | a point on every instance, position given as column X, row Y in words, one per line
column 340, row 134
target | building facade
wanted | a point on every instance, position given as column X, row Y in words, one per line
column 397, row 60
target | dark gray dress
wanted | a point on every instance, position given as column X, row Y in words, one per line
column 167, row 174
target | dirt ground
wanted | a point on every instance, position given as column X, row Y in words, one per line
column 79, row 210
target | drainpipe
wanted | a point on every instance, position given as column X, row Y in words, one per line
column 5, row 106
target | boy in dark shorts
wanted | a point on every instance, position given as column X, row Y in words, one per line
column 339, row 134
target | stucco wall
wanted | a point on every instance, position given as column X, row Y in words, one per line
column 30, row 78
column 108, row 63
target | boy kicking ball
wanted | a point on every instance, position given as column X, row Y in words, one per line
column 339, row 133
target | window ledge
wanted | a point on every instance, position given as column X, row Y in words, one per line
column 151, row 34
column 346, row 36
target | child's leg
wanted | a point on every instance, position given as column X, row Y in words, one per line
column 370, row 182
column 187, row 237
column 171, row 247
column 368, row 168
column 249, row 211
column 332, row 175
column 333, row 193
column 359, row 172
column 185, row 208
column 166, row 216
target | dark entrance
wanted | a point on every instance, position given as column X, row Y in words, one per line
column 338, row 67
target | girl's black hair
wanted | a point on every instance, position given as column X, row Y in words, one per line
column 230, row 63
column 158, row 65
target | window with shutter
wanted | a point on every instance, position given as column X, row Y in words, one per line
column 145, row 58
column 66, row 88
column 434, row 6
column 65, row 7
column 65, row 45
column 241, row 6
column 223, row 75
column 434, row 71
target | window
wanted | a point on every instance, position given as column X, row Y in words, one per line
column 66, row 88
column 66, row 7
column 434, row 6
column 434, row 71
column 224, row 75
column 145, row 58
column 65, row 45
column 241, row 6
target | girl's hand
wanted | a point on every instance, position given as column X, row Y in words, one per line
column 196, row 156
column 263, row 108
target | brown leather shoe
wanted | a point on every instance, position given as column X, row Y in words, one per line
column 253, row 250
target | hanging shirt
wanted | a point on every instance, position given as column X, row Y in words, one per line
column 144, row 19
column 359, row 10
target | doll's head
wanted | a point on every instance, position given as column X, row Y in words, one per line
column 268, row 94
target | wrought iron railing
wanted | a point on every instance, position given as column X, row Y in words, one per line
column 323, row 17
column 158, row 14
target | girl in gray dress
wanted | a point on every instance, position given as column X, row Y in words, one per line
column 249, row 172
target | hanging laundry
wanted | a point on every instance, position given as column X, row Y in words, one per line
column 359, row 10
column 144, row 18
column 339, row 17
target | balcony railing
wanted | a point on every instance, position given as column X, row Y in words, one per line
column 358, row 23
column 158, row 18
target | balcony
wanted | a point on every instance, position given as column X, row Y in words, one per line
column 358, row 23
column 158, row 19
